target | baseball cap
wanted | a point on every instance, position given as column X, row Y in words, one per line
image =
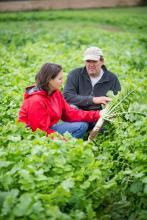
column 93, row 53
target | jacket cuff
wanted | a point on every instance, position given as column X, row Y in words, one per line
column 89, row 100
column 98, row 115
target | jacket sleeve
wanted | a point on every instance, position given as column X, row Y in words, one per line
column 116, row 86
column 71, row 91
column 38, row 117
column 71, row 114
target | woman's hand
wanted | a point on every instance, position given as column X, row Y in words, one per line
column 56, row 136
column 102, row 113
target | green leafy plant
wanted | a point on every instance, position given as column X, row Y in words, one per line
column 118, row 107
column 73, row 180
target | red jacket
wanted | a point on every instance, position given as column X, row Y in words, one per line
column 40, row 110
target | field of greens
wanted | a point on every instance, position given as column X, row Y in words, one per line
column 44, row 179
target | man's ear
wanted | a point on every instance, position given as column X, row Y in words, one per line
column 102, row 62
column 102, row 59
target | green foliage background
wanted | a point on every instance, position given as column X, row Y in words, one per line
column 45, row 179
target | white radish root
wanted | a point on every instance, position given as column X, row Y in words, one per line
column 96, row 129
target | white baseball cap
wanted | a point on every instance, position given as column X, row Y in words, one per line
column 93, row 53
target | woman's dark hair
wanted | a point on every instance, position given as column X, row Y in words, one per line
column 47, row 72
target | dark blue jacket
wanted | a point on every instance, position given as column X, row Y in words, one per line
column 79, row 91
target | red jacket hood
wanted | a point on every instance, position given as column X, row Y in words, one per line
column 33, row 90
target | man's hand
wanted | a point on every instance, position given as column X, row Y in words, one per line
column 101, row 100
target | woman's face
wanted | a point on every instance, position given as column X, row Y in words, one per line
column 56, row 82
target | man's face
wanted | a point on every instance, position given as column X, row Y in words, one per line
column 93, row 67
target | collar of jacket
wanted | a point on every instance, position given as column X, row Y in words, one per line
column 105, row 77
column 33, row 90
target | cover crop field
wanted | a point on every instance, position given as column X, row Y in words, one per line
column 44, row 179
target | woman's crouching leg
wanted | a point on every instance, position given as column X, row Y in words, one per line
column 76, row 129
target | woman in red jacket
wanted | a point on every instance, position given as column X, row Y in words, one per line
column 44, row 106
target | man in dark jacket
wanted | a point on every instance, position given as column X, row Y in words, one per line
column 86, row 87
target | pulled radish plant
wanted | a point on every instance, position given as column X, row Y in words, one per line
column 116, row 109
